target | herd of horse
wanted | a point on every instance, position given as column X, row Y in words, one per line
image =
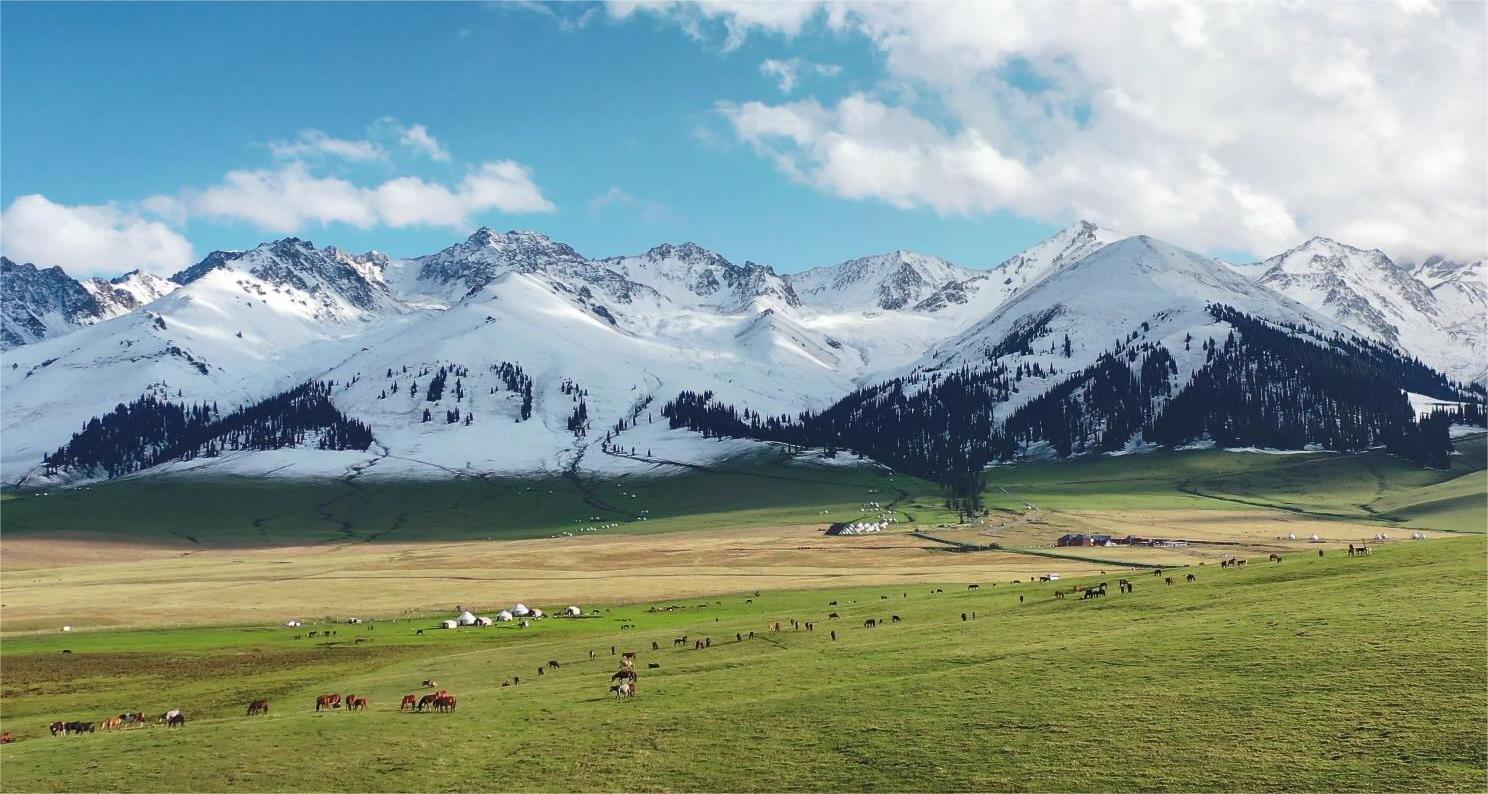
column 171, row 719
column 624, row 683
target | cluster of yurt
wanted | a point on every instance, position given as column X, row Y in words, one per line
column 520, row 612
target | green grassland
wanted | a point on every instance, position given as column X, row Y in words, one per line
column 266, row 512
column 1370, row 487
column 1332, row 673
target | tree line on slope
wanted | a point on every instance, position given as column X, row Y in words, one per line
column 1267, row 386
column 150, row 431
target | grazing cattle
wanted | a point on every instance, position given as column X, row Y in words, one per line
column 831, row 603
column 834, row 635
column 679, row 641
column 832, row 616
column 419, row 632
column 1192, row 578
column 1362, row 551
column 1320, row 552
column 410, row 702
column 1059, row 594
column 1240, row 563
column 57, row 728
column 1020, row 599
column 883, row 598
column 260, row 706
column 6, row 737
column 328, row 702
column 653, row 665
column 655, row 646
column 870, row 623
column 1167, row 580
column 553, row 664
column 1157, row 572
column 539, row 671
column 625, row 690
column 516, row 680
column 176, row 720
column 973, row 587
column 896, row 619
column 963, row 617
column 1275, row 558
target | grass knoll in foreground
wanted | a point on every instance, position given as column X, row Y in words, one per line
column 1332, row 673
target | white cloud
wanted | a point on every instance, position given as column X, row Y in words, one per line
column 314, row 143
column 89, row 240
column 288, row 198
column 738, row 17
column 417, row 137
column 788, row 71
column 1215, row 125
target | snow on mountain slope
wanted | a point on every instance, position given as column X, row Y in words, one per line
column 689, row 275
column 895, row 280
column 38, row 304
column 242, row 326
column 128, row 292
column 1388, row 301
column 1129, row 291
column 524, row 319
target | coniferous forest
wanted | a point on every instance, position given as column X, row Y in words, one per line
column 151, row 431
column 1262, row 386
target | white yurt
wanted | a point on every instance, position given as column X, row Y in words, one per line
column 466, row 619
column 504, row 616
column 484, row 621
column 447, row 624
column 293, row 624
column 537, row 613
column 573, row 612
column 521, row 610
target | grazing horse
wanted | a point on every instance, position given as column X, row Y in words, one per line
column 57, row 728
column 357, row 704
column 973, row 587
column 431, row 683
column 652, row 666
column 832, row 616
column 625, row 690
column 6, row 737
column 1240, row 562
column 427, row 701
column 1363, row 551
column 553, row 664
column 1167, row 580
column 870, row 623
column 260, row 706
column 831, row 603
column 176, row 720
column 410, row 702
column 625, row 675
column 1192, row 578
column 1059, row 594
column 896, row 619
column 1275, row 558
column 1157, row 572
column 328, row 702
column 445, row 703
column 112, row 724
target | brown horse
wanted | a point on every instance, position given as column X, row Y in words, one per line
column 260, row 706
column 445, row 703
column 112, row 724
column 410, row 702
column 6, row 737
column 328, row 702
column 356, row 703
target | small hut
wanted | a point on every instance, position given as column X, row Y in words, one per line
column 484, row 621
column 448, row 624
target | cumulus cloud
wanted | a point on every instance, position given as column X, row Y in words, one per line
column 314, row 143
column 788, row 71
column 286, row 199
column 1217, row 125
column 418, row 138
column 89, row 240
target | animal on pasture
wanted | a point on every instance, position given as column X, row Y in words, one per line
column 260, row 706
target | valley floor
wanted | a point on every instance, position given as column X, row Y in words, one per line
column 1326, row 674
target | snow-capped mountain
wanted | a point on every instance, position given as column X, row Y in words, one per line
column 509, row 353
column 895, row 280
column 124, row 294
column 1434, row 311
column 38, row 303
column 1151, row 292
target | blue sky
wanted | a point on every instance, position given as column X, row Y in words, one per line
column 118, row 103
column 149, row 134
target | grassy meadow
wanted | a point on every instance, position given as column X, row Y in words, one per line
column 1331, row 673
